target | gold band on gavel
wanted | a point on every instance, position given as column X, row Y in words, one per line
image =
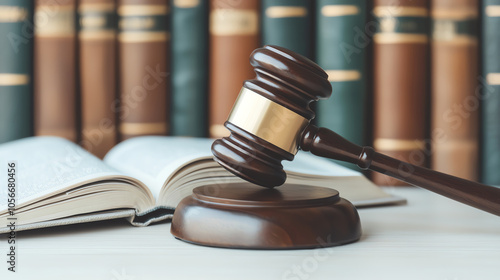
column 268, row 120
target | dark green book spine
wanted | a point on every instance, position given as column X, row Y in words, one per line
column 341, row 45
column 491, row 92
column 287, row 23
column 189, row 68
column 16, row 44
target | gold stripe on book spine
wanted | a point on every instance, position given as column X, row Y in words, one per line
column 142, row 10
column 13, row 79
column 143, row 128
column 399, row 38
column 343, row 75
column 457, row 14
column 94, row 23
column 142, row 37
column 97, row 34
column 339, row 10
column 389, row 21
column 285, row 11
column 493, row 79
column 55, row 21
column 228, row 22
column 388, row 144
column 13, row 14
column 186, row 3
column 268, row 120
column 142, row 23
column 445, row 30
column 493, row 11
column 399, row 11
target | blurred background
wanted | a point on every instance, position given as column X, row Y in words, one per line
column 418, row 80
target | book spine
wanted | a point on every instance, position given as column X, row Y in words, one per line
column 287, row 23
column 234, row 34
column 400, row 67
column 455, row 108
column 341, row 23
column 491, row 92
column 55, row 69
column 189, row 68
column 96, row 34
column 16, row 43
column 144, row 45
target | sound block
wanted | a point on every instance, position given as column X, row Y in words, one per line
column 244, row 215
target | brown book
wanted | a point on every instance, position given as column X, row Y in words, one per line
column 143, row 46
column 400, row 67
column 55, row 69
column 454, row 85
column 97, row 47
column 234, row 34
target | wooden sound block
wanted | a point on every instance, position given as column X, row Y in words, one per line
column 244, row 215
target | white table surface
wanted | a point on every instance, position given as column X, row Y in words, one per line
column 429, row 238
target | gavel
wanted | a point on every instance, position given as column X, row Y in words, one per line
column 270, row 122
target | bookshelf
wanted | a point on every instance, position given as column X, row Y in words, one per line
column 156, row 67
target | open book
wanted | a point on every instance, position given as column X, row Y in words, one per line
column 141, row 179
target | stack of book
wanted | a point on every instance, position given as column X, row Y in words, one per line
column 410, row 77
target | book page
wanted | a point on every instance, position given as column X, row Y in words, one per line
column 172, row 166
column 152, row 159
column 316, row 166
column 45, row 165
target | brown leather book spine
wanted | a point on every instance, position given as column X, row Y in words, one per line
column 97, row 47
column 234, row 34
column 143, row 46
column 455, row 99
column 400, row 69
column 55, row 69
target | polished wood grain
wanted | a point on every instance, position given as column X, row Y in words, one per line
column 244, row 215
column 293, row 81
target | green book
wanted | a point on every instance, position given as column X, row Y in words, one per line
column 341, row 46
column 16, row 44
column 287, row 23
column 189, row 68
column 491, row 92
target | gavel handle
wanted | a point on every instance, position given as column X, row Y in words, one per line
column 325, row 143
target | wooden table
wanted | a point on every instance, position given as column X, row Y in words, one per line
column 429, row 238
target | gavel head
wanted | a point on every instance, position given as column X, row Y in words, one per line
column 270, row 114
